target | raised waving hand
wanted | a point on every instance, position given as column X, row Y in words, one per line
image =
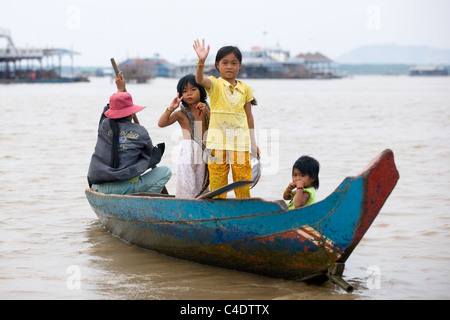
column 201, row 50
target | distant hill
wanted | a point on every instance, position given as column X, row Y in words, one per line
column 394, row 54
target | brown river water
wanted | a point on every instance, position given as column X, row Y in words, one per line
column 52, row 245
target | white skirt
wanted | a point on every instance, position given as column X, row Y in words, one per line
column 190, row 169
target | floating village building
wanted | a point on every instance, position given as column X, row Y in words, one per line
column 45, row 65
column 318, row 66
column 270, row 63
column 142, row 70
column 33, row 65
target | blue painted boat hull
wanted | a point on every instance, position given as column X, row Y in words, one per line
column 254, row 235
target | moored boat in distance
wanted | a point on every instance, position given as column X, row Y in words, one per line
column 254, row 235
column 428, row 71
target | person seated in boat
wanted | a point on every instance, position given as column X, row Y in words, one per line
column 124, row 151
column 193, row 118
column 305, row 181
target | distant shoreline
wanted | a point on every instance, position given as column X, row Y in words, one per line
column 343, row 69
column 377, row 69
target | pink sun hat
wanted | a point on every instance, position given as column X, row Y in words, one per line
column 121, row 105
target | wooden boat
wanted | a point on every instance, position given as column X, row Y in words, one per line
column 254, row 235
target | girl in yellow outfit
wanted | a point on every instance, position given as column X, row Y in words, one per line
column 231, row 131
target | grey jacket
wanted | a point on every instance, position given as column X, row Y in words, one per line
column 136, row 152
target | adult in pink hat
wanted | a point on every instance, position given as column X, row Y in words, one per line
column 124, row 160
column 121, row 105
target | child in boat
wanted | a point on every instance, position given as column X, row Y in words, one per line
column 193, row 118
column 124, row 151
column 305, row 182
column 231, row 128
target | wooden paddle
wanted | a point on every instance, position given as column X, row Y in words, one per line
column 224, row 189
column 116, row 70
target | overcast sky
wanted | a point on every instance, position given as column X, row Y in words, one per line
column 101, row 29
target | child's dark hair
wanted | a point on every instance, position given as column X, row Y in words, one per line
column 310, row 166
column 190, row 78
column 224, row 51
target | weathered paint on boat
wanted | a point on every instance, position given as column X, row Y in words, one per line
column 254, row 235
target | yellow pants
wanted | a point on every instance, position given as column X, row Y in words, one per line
column 220, row 167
